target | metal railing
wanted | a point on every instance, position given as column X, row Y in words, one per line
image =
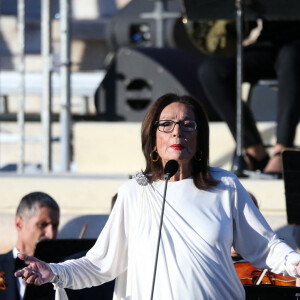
column 65, row 112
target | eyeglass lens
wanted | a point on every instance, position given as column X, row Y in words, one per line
column 169, row 125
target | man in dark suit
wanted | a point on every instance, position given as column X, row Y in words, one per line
column 37, row 218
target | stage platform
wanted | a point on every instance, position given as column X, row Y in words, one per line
column 105, row 155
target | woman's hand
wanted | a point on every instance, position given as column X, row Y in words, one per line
column 37, row 272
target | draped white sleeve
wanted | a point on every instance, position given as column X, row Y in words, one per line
column 104, row 262
column 255, row 240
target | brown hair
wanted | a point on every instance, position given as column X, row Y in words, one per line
column 154, row 170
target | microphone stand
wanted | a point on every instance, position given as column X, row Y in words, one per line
column 239, row 164
column 167, row 177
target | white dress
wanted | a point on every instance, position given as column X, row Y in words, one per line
column 194, row 258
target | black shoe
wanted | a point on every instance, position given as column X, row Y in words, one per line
column 258, row 164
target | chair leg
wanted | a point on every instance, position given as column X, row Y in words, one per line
column 238, row 166
column 4, row 104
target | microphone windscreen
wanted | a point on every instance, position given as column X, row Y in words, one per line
column 171, row 168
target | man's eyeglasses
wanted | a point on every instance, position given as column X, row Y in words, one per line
column 169, row 125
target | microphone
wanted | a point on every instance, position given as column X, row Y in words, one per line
column 170, row 169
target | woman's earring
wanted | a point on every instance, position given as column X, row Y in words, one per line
column 198, row 156
column 154, row 152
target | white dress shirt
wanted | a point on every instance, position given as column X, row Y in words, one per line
column 20, row 282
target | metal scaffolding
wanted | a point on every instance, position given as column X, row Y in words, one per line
column 65, row 113
column 46, row 95
column 21, row 110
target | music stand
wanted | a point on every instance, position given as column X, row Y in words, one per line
column 54, row 251
column 267, row 291
column 241, row 10
column 252, row 9
column 291, row 178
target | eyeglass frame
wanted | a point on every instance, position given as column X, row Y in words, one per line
column 156, row 124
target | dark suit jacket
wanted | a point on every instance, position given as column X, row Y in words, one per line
column 7, row 265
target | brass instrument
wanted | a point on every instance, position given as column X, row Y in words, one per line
column 215, row 37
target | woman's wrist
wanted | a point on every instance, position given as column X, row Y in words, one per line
column 55, row 278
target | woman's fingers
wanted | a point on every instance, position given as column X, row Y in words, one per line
column 27, row 258
column 32, row 278
column 19, row 273
column 37, row 272
column 28, row 274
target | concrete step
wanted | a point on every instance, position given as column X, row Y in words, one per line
column 115, row 148
column 87, row 196
column 108, row 151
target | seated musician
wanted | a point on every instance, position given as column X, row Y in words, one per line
column 275, row 54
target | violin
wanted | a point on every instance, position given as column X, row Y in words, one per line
column 248, row 274
column 3, row 284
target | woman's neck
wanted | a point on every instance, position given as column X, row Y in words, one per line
column 184, row 171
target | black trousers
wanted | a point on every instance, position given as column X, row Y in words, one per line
column 218, row 78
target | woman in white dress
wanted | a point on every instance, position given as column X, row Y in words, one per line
column 207, row 210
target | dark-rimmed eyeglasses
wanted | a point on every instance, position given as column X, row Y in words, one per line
column 169, row 125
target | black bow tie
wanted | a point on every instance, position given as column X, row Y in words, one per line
column 19, row 264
